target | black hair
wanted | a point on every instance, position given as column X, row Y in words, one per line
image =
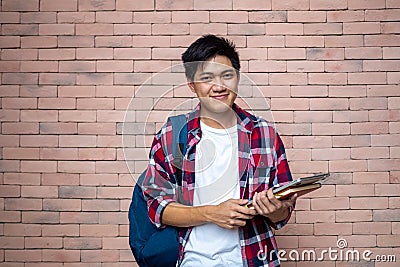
column 205, row 48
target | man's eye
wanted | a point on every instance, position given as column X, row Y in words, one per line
column 206, row 79
column 228, row 76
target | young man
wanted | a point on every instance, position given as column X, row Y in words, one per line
column 231, row 157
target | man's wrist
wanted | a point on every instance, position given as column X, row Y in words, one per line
column 279, row 215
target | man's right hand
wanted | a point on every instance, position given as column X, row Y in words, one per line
column 229, row 214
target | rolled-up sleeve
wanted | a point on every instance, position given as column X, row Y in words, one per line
column 158, row 185
column 283, row 175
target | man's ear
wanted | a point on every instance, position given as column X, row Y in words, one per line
column 191, row 85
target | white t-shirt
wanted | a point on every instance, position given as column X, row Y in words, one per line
column 217, row 180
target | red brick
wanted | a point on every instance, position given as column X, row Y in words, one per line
column 103, row 256
column 10, row 191
column 385, row 140
column 20, row 5
column 38, row 91
column 381, row 40
column 76, row 167
column 350, row 116
column 61, row 255
column 10, row 216
column 368, row 103
column 381, row 65
column 38, row 42
column 323, row 28
column 114, row 192
column 60, row 230
column 79, row 218
column 344, row 66
column 111, row 167
column 367, row 78
column 98, row 230
column 22, row 256
column 115, row 41
column 49, row 5
column 134, row 29
column 97, row 154
column 309, row 166
column 289, row 104
column 20, row 128
column 134, row 5
column 325, row 54
column 19, row 54
column 157, row 17
column 265, row 41
column 41, row 217
column 94, row 53
column 212, row 28
column 20, row 153
column 167, row 53
column 348, row 165
column 312, row 116
column 267, row 16
column 333, row 228
column 386, row 115
column 22, row 178
column 366, row 203
column 88, row 5
column 370, row 128
column 151, row 65
column 43, row 242
column 393, row 77
column 9, row 41
column 361, row 28
column 56, row 29
column 62, row 204
column 12, row 229
column 150, row 41
column 77, row 66
column 76, row 17
column 38, row 140
column 113, row 218
column 284, row 28
column 336, row 203
column 99, row 179
column 345, row 16
column 390, row 27
column 38, row 166
column 94, row 79
column 132, row 53
column 358, row 190
column 19, row 103
column 58, row 128
column 39, row 191
column 10, row 66
column 57, row 54
column 77, row 115
column 76, row 91
column 39, row 66
column 391, row 52
column 59, row 153
column 330, row 154
column 290, row 5
column 267, row 66
column 220, row 16
column 100, row 205
column 381, row 15
column 39, row 115
column 327, row 78
column 82, row 243
column 286, row 53
column 77, row 141
column 59, row 179
column 288, row 78
column 94, row 29
column 10, row 165
column 20, row 78
column 344, row 41
column 327, row 5
column 10, row 17
column 331, row 128
column 353, row 215
column 315, row 216
column 383, row 164
column 312, row 142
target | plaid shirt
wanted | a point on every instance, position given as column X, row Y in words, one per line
column 262, row 164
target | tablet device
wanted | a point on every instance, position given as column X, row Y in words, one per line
column 301, row 182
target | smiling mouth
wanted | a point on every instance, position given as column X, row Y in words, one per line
column 220, row 97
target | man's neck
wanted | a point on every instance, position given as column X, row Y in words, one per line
column 219, row 121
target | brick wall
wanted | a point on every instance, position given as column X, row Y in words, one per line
column 330, row 70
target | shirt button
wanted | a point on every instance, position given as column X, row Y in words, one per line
column 262, row 163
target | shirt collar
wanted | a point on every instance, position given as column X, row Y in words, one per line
column 245, row 120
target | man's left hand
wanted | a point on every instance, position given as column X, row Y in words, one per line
column 268, row 205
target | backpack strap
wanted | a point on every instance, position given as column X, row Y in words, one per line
column 179, row 139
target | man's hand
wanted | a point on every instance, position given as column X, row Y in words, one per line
column 230, row 214
column 266, row 204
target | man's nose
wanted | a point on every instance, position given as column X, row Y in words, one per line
column 217, row 84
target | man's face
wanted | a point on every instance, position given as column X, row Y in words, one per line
column 216, row 84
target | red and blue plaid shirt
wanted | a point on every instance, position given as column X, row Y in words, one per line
column 262, row 165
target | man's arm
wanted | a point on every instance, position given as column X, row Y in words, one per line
column 229, row 214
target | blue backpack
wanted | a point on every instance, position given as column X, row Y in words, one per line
column 150, row 246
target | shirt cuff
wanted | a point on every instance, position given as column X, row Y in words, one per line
column 158, row 205
column 280, row 224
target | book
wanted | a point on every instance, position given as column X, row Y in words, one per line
column 300, row 190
